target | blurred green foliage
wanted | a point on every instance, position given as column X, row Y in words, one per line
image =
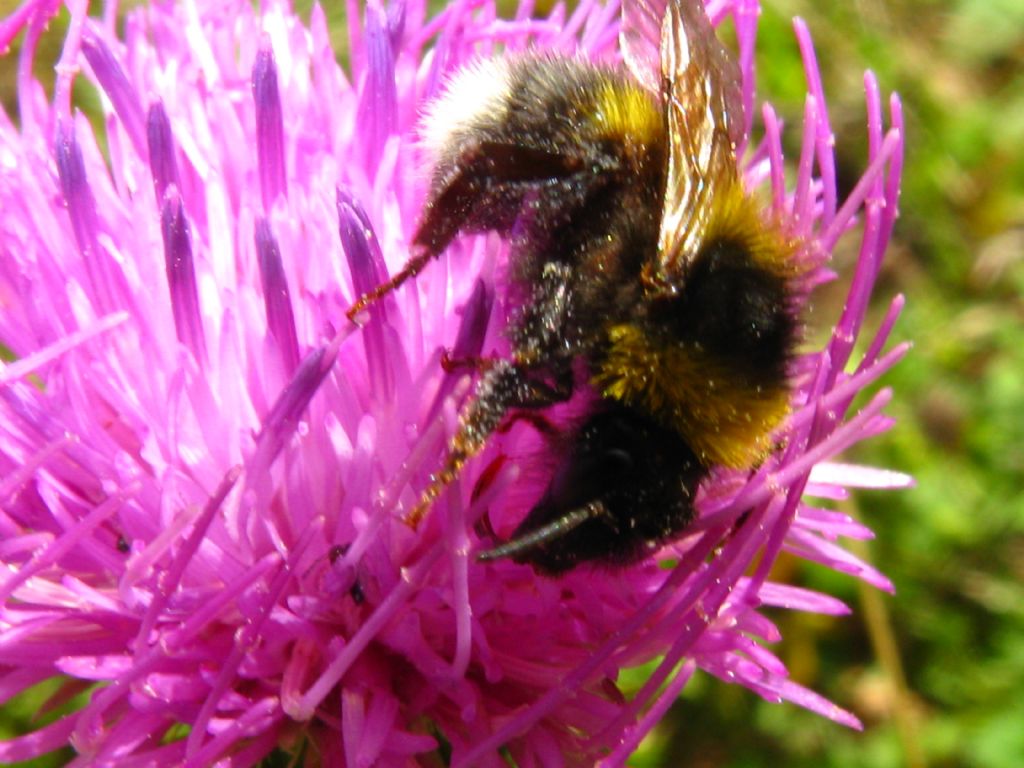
column 935, row 672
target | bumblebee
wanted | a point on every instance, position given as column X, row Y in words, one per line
column 650, row 282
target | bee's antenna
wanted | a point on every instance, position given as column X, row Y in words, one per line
column 546, row 533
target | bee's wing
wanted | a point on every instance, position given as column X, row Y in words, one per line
column 640, row 40
column 700, row 89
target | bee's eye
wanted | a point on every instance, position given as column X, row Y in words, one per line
column 733, row 308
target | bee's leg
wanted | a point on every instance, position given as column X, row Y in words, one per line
column 504, row 386
column 478, row 186
column 477, row 363
column 412, row 268
column 540, row 374
column 482, row 185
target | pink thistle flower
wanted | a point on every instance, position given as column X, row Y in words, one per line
column 204, row 465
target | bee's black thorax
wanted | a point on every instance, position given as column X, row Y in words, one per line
column 733, row 310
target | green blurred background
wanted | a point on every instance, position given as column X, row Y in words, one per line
column 936, row 671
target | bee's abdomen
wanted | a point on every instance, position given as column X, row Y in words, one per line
column 546, row 153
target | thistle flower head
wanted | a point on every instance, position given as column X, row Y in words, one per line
column 204, row 465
